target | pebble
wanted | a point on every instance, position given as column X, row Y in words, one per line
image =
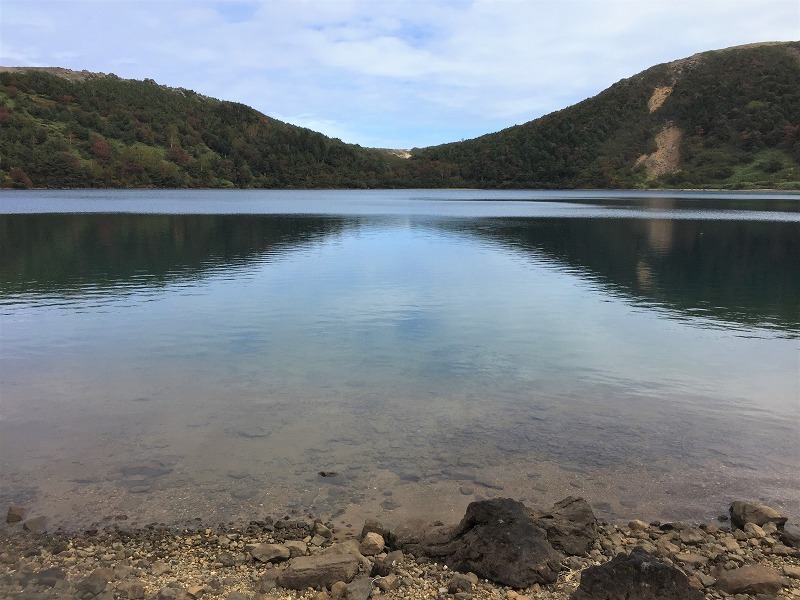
column 163, row 563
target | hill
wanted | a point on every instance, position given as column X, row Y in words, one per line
column 726, row 118
column 65, row 128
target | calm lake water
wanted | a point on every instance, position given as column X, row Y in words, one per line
column 171, row 355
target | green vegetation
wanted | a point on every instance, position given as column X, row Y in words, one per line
column 735, row 114
column 107, row 132
column 738, row 111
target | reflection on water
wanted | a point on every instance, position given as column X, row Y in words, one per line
column 735, row 271
column 172, row 366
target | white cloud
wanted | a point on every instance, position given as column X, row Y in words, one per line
column 388, row 73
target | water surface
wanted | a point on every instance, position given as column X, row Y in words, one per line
column 169, row 355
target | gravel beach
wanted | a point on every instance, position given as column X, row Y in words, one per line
column 251, row 561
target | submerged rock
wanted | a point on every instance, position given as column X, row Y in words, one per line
column 15, row 514
column 36, row 524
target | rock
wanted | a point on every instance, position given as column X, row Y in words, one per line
column 237, row 596
column 770, row 528
column 637, row 525
column 754, row 531
column 338, row 589
column 271, row 552
column 792, row 571
column 388, row 583
column 635, row 576
column 487, row 483
column 268, row 581
column 790, row 534
column 133, row 590
column 350, row 547
column 695, row 582
column 318, row 570
column 93, row 584
column 570, row 525
column 706, row 580
column 497, row 539
column 751, row 579
column 35, row 524
column 226, row 559
column 15, row 514
column 384, row 566
column 750, row 512
column 692, row 559
column 122, row 571
column 460, row 582
column 168, row 592
column 50, row 577
column 372, row 544
column 359, row 589
column 692, row 535
column 160, row 568
column 321, row 530
column 730, row 544
column 374, row 526
column 296, row 548
column 782, row 550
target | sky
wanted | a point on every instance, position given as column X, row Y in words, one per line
column 385, row 73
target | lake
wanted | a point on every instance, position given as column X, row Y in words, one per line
column 170, row 355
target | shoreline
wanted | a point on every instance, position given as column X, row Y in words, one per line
column 192, row 559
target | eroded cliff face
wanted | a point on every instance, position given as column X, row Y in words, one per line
column 659, row 95
column 667, row 156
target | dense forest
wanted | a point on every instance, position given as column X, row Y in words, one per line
column 737, row 112
column 727, row 118
column 103, row 131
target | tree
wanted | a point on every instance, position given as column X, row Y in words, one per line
column 19, row 179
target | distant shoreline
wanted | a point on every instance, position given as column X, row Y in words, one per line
column 504, row 189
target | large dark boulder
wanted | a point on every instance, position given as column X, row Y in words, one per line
column 570, row 525
column 635, row 576
column 497, row 539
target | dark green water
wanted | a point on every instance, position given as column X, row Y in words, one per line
column 168, row 355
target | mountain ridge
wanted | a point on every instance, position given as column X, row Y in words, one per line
column 727, row 118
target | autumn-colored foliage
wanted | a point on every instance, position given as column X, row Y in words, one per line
column 737, row 110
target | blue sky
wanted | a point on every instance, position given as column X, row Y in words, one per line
column 385, row 73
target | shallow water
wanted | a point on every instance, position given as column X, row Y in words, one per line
column 170, row 355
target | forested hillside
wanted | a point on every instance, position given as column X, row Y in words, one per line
column 85, row 130
column 728, row 118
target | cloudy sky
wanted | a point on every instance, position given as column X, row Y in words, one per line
column 385, row 73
